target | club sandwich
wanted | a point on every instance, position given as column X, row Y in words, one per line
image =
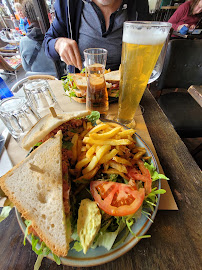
column 76, row 85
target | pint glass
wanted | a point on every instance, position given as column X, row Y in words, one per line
column 142, row 44
column 97, row 95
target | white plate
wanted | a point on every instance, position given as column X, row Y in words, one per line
column 100, row 255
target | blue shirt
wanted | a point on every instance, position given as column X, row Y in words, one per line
column 23, row 25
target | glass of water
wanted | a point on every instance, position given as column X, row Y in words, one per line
column 18, row 116
column 40, row 96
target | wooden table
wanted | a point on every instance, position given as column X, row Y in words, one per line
column 176, row 235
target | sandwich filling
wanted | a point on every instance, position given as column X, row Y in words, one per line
column 69, row 129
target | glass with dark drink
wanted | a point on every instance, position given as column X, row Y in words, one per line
column 97, row 95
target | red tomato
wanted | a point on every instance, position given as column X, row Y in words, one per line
column 115, row 86
column 117, row 199
column 142, row 175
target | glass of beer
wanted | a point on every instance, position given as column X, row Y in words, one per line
column 141, row 47
column 97, row 95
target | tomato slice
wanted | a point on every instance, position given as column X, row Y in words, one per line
column 117, row 199
column 142, row 175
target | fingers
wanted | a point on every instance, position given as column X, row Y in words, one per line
column 180, row 26
column 78, row 58
column 192, row 26
column 69, row 52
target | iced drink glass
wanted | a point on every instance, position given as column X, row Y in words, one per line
column 97, row 95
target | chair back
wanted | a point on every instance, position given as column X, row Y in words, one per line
column 183, row 65
column 20, row 83
column 4, row 65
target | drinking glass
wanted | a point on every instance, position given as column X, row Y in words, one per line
column 159, row 64
column 18, row 116
column 97, row 95
column 40, row 96
column 141, row 47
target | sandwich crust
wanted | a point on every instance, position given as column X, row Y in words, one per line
column 39, row 196
column 45, row 125
column 113, row 76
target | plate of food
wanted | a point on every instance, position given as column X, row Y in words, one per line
column 75, row 86
column 87, row 192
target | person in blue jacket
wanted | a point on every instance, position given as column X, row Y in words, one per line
column 32, row 50
column 23, row 22
column 80, row 24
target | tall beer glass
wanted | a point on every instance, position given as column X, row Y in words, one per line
column 142, row 44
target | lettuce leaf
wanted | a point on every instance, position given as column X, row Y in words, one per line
column 151, row 199
column 69, row 85
column 45, row 252
column 154, row 174
column 107, row 239
column 93, row 117
column 37, row 144
column 77, row 246
column 42, row 252
column 83, row 70
column 67, row 145
column 56, row 259
column 28, row 224
column 5, row 212
column 113, row 177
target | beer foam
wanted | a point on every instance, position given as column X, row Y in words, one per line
column 144, row 36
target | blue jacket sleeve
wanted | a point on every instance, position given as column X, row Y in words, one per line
column 59, row 28
column 25, row 65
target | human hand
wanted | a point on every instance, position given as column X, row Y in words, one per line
column 180, row 26
column 69, row 52
column 192, row 27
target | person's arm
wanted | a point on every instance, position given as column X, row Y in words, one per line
column 26, row 24
column 25, row 65
column 57, row 29
column 58, row 42
column 69, row 52
column 176, row 18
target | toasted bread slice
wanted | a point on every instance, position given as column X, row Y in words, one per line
column 80, row 80
column 80, row 99
column 38, row 196
column 45, row 125
column 79, row 93
column 113, row 76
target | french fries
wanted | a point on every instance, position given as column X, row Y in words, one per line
column 108, row 156
column 105, row 135
column 122, row 161
column 110, row 142
column 107, row 148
